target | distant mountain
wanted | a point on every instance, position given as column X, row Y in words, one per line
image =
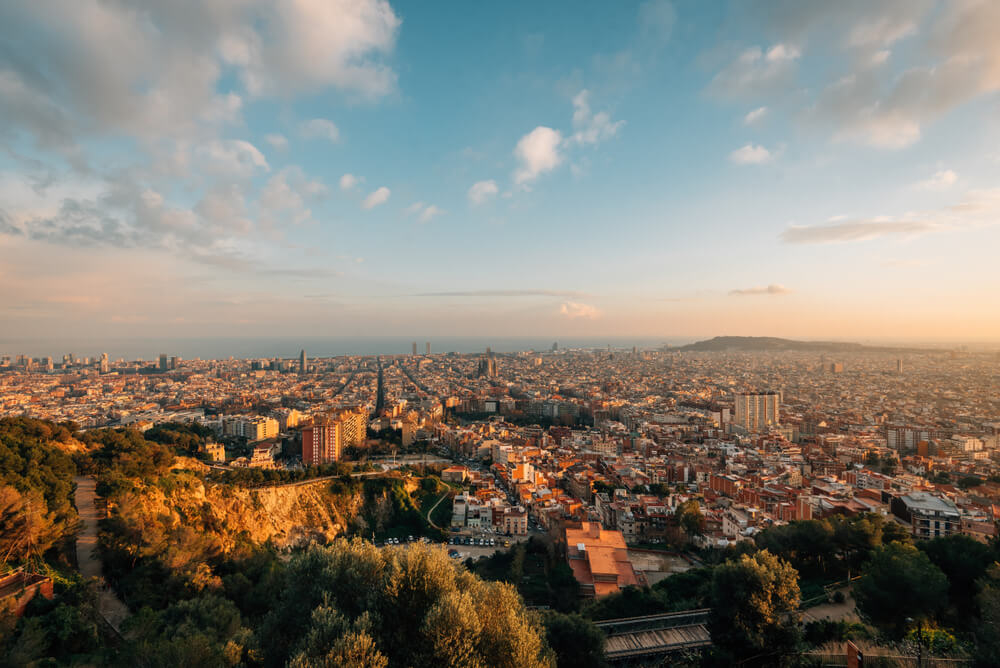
column 774, row 344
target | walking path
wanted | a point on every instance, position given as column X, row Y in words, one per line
column 429, row 520
column 87, row 557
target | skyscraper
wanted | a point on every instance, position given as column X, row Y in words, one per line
column 105, row 365
column 757, row 410
column 414, row 347
column 303, row 362
column 428, row 347
column 899, row 366
column 163, row 361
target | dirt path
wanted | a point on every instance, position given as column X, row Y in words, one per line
column 87, row 556
column 429, row 520
column 834, row 611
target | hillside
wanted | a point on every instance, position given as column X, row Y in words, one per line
column 284, row 515
column 775, row 344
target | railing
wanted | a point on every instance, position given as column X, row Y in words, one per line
column 612, row 627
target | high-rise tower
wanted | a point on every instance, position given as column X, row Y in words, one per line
column 303, row 362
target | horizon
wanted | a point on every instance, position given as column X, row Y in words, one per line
column 805, row 171
column 263, row 347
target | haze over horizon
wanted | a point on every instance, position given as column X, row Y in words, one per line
column 651, row 170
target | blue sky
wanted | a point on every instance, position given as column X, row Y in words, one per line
column 364, row 167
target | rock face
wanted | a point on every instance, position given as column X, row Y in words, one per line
column 286, row 515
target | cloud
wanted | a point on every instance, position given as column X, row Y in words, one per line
column 578, row 310
column 755, row 116
column 978, row 208
column 942, row 180
column 854, row 230
column 590, row 128
column 959, row 58
column 656, row 20
column 505, row 293
column 482, row 191
column 232, row 157
column 376, row 197
column 424, row 212
column 319, row 128
column 772, row 289
column 284, row 198
column 277, row 141
column 751, row 154
column 538, row 152
column 348, row 182
column 756, row 73
column 154, row 69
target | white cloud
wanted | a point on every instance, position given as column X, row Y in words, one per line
column 348, row 182
column 429, row 212
column 232, row 157
column 751, row 154
column 376, row 197
column 285, row 195
column 578, row 310
column 538, row 152
column 978, row 208
column 423, row 211
column 772, row 289
column 590, row 128
column 320, row 128
column 482, row 191
column 755, row 73
column 277, row 141
column 941, row 180
column 755, row 116
column 854, row 230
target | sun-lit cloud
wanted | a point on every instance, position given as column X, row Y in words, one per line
column 757, row 72
column 755, row 116
column 505, row 293
column 579, row 310
column 376, row 197
column 854, row 230
column 537, row 152
column 588, row 127
column 772, row 289
column 481, row 191
column 751, row 154
column 423, row 211
column 941, row 180
column 348, row 182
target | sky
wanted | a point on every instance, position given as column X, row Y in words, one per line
column 365, row 168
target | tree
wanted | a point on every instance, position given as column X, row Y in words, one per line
column 575, row 640
column 27, row 530
column 900, row 582
column 750, row 600
column 413, row 606
column 963, row 560
column 988, row 630
column 689, row 517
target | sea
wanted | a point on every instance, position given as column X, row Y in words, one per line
column 315, row 346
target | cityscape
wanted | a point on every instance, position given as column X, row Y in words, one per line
column 367, row 333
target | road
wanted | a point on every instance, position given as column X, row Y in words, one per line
column 87, row 556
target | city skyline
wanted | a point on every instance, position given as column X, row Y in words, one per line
column 649, row 170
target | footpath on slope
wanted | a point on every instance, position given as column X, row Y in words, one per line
column 88, row 559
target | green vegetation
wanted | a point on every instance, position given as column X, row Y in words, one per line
column 537, row 569
column 36, row 486
column 750, row 599
column 203, row 595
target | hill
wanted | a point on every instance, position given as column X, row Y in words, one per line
column 775, row 344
